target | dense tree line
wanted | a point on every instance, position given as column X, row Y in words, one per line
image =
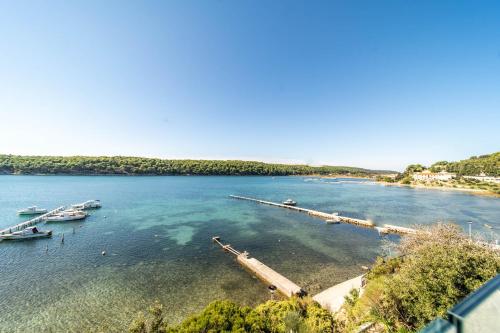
column 489, row 164
column 120, row 165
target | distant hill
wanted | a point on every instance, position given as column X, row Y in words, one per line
column 489, row 164
column 120, row 165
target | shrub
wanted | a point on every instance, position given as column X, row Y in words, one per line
column 440, row 267
column 294, row 315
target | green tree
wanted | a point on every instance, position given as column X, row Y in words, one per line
column 440, row 266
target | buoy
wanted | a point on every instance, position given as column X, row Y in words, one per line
column 103, row 253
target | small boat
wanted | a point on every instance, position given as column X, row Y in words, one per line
column 87, row 205
column 67, row 215
column 289, row 202
column 28, row 233
column 33, row 210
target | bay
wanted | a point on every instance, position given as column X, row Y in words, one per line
column 157, row 231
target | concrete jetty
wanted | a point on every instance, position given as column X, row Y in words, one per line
column 398, row 230
column 269, row 276
column 326, row 216
column 333, row 298
column 31, row 222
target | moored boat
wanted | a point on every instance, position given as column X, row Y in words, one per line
column 33, row 210
column 28, row 233
column 67, row 215
column 87, row 205
column 289, row 202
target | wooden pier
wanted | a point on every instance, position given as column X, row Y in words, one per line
column 263, row 272
column 31, row 222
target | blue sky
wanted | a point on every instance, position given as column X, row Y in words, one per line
column 376, row 84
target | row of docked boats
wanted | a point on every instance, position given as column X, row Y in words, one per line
column 35, row 210
column 74, row 213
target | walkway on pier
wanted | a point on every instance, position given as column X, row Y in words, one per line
column 334, row 217
column 263, row 272
column 29, row 223
column 333, row 298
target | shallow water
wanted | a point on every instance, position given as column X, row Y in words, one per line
column 157, row 234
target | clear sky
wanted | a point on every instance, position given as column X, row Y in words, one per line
column 376, row 84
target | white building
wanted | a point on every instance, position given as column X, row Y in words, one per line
column 426, row 176
column 484, row 178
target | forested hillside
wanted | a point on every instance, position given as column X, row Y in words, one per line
column 489, row 164
column 119, row 165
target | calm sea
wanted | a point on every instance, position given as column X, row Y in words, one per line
column 157, row 233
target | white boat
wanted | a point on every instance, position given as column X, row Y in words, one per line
column 289, row 202
column 88, row 204
column 67, row 215
column 28, row 233
column 33, row 210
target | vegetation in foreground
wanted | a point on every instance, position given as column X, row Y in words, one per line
column 293, row 315
column 120, row 165
column 433, row 271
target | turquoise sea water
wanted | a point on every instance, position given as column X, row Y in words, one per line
column 157, row 234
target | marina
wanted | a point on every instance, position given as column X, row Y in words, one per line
column 59, row 214
column 33, row 221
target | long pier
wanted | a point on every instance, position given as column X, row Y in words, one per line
column 29, row 223
column 326, row 216
column 334, row 218
column 274, row 279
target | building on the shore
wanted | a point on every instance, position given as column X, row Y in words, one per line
column 484, row 178
column 427, row 175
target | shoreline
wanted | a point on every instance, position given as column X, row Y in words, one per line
column 444, row 188
column 342, row 176
column 472, row 191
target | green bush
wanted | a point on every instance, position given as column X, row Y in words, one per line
column 291, row 316
column 440, row 267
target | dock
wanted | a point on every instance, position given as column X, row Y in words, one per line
column 275, row 280
column 334, row 218
column 29, row 223
column 329, row 217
